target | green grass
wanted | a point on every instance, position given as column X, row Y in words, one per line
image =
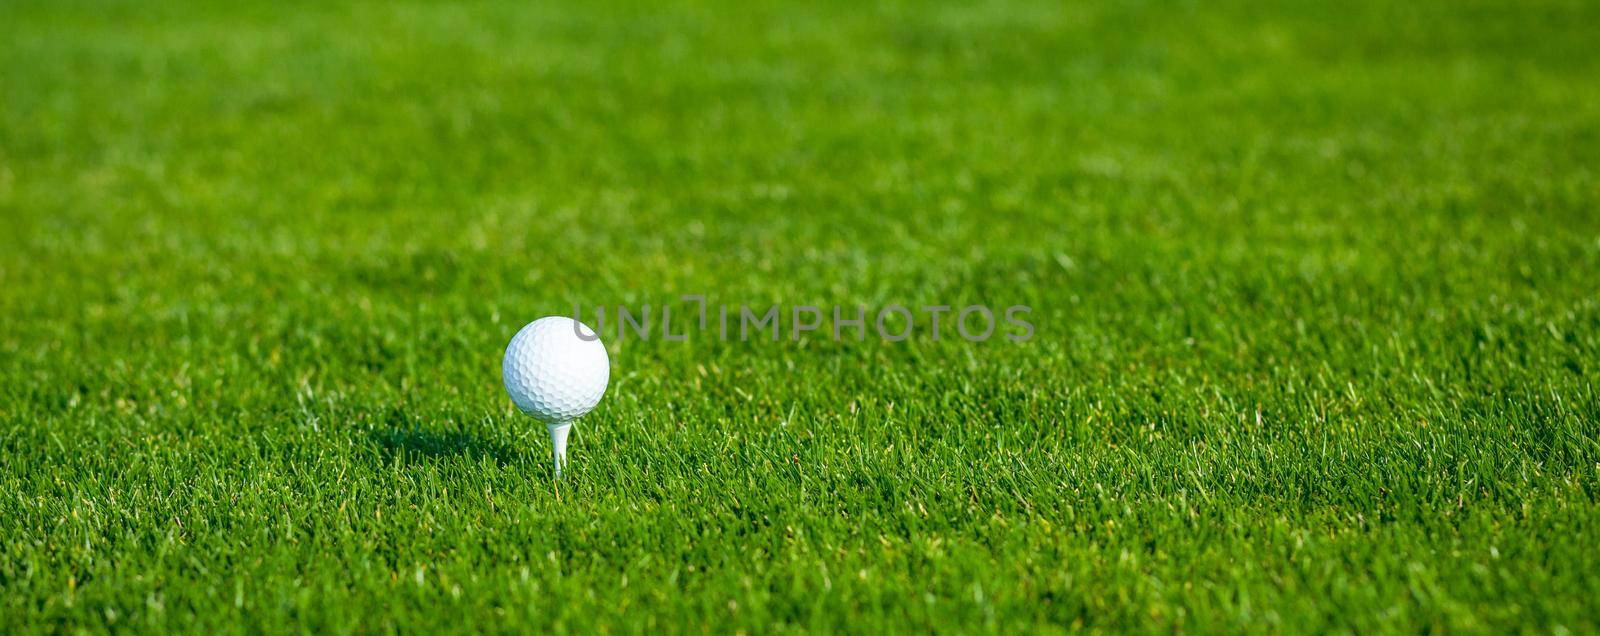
column 1318, row 335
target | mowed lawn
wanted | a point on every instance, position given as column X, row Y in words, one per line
column 1316, row 292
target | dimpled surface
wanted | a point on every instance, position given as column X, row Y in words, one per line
column 551, row 373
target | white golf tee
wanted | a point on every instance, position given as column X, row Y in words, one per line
column 558, row 443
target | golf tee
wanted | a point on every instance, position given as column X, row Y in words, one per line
column 558, row 443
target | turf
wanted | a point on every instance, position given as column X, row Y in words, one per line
column 1314, row 289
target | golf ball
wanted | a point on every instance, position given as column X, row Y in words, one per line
column 554, row 374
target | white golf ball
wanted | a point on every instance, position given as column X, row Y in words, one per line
column 554, row 374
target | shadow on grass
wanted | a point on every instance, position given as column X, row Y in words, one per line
column 419, row 444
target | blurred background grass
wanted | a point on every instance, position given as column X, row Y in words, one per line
column 1314, row 289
